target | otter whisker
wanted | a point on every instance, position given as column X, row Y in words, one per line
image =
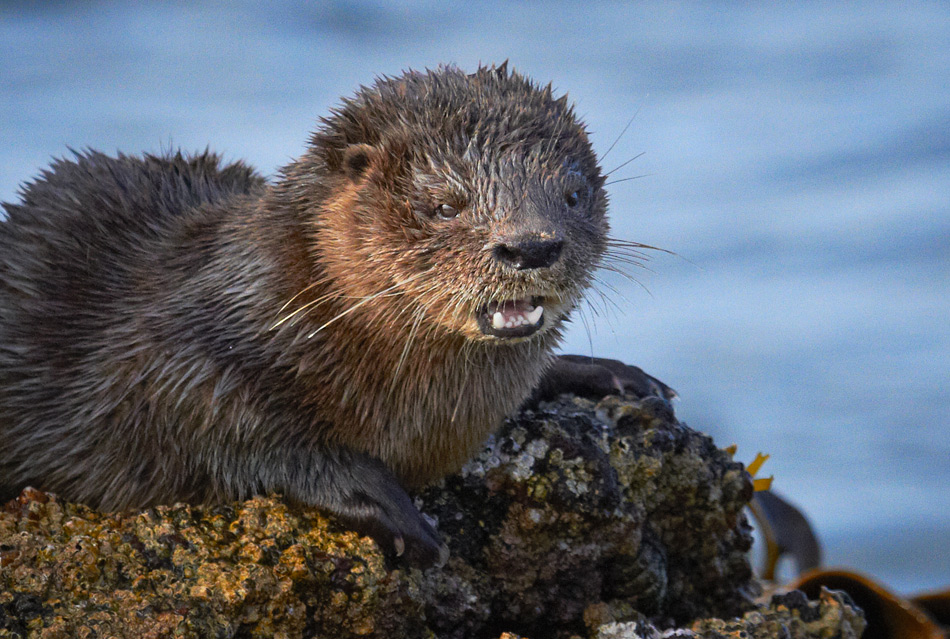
column 366, row 300
column 626, row 276
column 606, row 298
column 403, row 309
column 629, row 244
column 459, row 304
column 461, row 393
column 620, row 166
column 447, row 309
column 301, row 292
column 617, row 139
column 432, row 327
column 624, row 265
column 590, row 305
column 313, row 304
column 609, row 305
column 639, row 262
column 306, row 307
column 624, row 258
column 619, row 266
column 627, row 252
column 424, row 305
column 627, row 179
column 610, row 309
column 420, row 314
column 317, row 302
column 629, row 248
column 590, row 338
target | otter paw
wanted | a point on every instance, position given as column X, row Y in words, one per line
column 400, row 530
column 595, row 377
column 369, row 499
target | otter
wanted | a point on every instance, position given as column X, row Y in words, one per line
column 177, row 328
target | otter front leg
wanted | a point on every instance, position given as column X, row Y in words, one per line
column 594, row 377
column 362, row 492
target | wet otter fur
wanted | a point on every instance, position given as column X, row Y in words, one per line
column 175, row 328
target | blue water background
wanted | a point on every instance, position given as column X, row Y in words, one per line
column 795, row 157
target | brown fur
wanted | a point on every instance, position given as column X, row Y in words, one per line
column 172, row 328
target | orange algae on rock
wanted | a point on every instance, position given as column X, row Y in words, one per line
column 253, row 569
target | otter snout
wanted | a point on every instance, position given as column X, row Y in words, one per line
column 528, row 253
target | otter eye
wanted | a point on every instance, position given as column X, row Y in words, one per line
column 446, row 212
column 572, row 198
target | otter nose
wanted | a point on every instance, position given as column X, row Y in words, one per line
column 529, row 253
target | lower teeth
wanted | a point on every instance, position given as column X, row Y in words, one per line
column 531, row 317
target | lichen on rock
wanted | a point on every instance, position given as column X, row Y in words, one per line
column 601, row 520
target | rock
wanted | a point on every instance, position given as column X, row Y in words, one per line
column 600, row 520
column 833, row 616
column 793, row 616
column 614, row 504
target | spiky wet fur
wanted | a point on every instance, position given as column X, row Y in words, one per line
column 174, row 328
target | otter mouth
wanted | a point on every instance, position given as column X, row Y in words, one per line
column 512, row 318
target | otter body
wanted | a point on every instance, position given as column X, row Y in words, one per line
column 175, row 328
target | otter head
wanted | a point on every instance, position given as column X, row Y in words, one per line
column 473, row 205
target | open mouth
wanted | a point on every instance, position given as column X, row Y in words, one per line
column 512, row 318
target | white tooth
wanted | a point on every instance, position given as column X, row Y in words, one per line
column 510, row 324
column 498, row 320
column 535, row 315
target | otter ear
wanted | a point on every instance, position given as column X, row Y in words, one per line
column 357, row 159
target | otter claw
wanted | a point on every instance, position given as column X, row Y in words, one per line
column 443, row 556
column 400, row 544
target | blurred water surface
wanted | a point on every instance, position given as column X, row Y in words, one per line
column 795, row 158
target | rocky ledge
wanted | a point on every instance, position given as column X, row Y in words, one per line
column 604, row 520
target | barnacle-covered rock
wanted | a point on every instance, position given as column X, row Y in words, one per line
column 614, row 504
column 606, row 519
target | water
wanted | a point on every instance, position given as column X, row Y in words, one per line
column 795, row 158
